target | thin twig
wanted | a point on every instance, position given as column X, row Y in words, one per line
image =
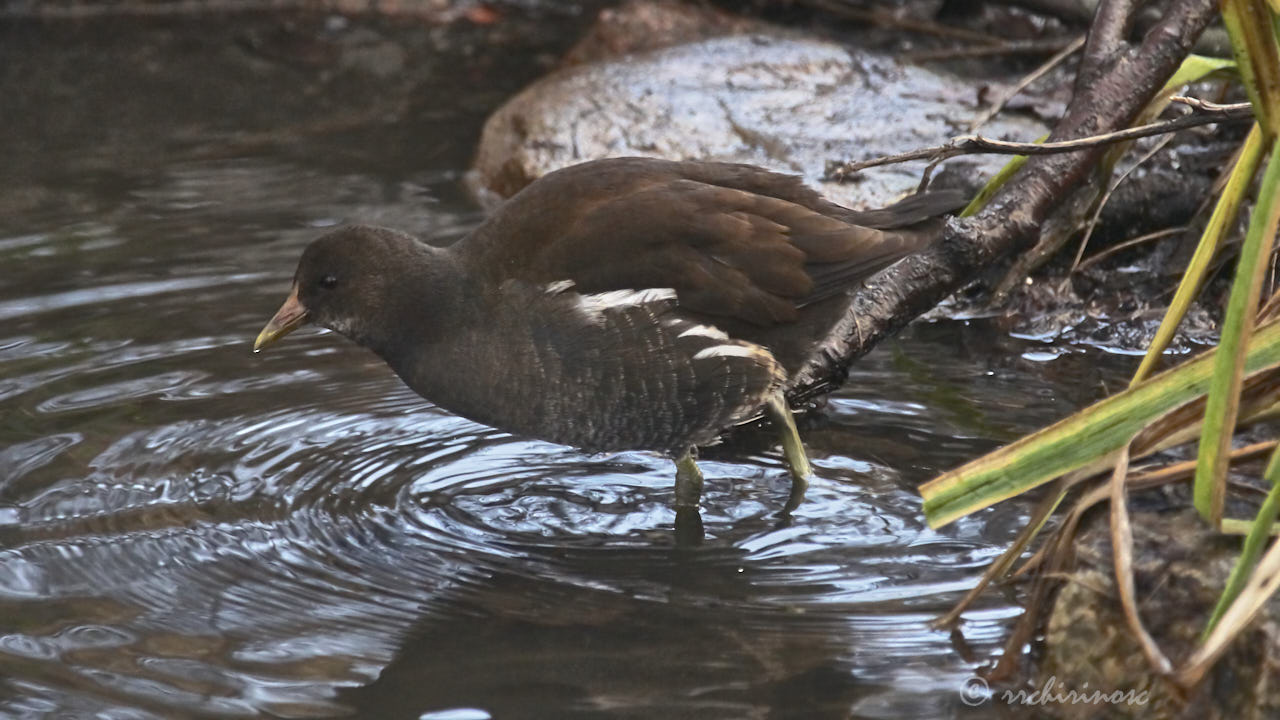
column 1148, row 237
column 1106, row 197
column 927, row 175
column 1199, row 104
column 976, row 144
column 1185, row 469
column 1003, row 99
column 1011, row 47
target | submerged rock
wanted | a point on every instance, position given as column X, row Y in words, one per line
column 787, row 103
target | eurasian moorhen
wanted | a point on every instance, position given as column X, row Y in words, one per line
column 619, row 304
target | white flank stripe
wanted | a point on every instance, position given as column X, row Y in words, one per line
column 726, row 351
column 625, row 298
column 704, row 331
column 594, row 306
column 558, row 287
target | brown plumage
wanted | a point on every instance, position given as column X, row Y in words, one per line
column 617, row 304
column 745, row 249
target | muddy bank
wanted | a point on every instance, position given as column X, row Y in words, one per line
column 1180, row 567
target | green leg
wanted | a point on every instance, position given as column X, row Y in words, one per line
column 792, row 448
column 688, row 481
column 689, row 531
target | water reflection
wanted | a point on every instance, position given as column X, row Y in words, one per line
column 187, row 530
column 310, row 538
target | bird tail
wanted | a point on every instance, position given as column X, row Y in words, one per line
column 911, row 210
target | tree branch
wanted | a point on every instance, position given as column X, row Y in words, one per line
column 1111, row 22
column 1127, row 78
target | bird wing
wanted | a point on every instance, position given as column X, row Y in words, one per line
column 731, row 240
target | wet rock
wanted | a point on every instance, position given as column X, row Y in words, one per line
column 1180, row 566
column 782, row 102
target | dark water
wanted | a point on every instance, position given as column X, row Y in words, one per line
column 189, row 530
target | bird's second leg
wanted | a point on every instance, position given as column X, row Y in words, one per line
column 792, row 448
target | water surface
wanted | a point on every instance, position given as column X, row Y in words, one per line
column 190, row 530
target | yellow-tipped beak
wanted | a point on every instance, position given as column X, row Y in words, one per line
column 287, row 319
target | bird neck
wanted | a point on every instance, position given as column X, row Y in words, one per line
column 421, row 304
column 455, row 349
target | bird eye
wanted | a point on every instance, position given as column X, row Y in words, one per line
column 329, row 282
